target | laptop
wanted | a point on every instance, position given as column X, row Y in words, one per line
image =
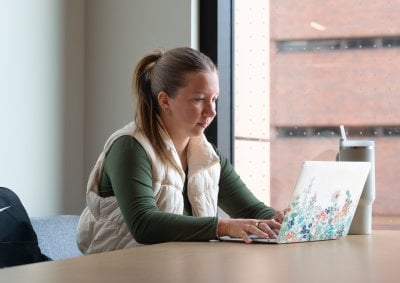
column 323, row 202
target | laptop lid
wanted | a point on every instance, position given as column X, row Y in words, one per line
column 324, row 201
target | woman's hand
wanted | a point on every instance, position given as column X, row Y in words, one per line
column 279, row 215
column 243, row 228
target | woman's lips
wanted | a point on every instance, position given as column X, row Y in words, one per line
column 203, row 125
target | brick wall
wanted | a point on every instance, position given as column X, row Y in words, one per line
column 329, row 88
column 290, row 19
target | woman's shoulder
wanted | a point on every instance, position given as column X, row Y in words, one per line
column 126, row 153
column 126, row 141
column 126, row 144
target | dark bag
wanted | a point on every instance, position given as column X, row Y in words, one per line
column 18, row 240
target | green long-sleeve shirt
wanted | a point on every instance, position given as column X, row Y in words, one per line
column 127, row 175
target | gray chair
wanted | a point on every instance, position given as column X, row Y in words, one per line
column 57, row 235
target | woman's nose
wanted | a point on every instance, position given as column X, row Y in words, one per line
column 209, row 110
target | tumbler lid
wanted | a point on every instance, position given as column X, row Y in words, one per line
column 357, row 143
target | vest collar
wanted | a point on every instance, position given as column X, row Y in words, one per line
column 200, row 153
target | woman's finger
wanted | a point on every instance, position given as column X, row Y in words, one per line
column 268, row 229
column 245, row 235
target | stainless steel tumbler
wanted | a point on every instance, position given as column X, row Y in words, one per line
column 361, row 150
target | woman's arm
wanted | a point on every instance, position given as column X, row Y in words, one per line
column 236, row 199
column 129, row 171
column 250, row 216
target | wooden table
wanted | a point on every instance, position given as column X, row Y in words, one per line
column 374, row 258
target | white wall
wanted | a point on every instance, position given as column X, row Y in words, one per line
column 119, row 33
column 65, row 72
column 41, row 73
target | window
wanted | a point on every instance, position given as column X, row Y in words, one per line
column 301, row 70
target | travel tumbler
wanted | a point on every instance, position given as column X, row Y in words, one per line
column 361, row 150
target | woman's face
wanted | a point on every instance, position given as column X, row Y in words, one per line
column 192, row 109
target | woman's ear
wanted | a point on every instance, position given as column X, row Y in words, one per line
column 163, row 101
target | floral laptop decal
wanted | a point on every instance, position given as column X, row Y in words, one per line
column 323, row 202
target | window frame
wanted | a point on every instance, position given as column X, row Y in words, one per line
column 216, row 41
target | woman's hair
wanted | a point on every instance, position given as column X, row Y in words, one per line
column 163, row 71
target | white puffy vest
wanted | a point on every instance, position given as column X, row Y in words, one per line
column 102, row 227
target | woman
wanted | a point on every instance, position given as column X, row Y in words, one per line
column 159, row 179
